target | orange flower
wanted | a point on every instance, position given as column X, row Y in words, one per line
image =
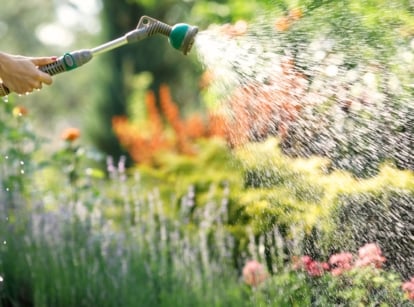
column 195, row 127
column 70, row 134
column 172, row 114
column 237, row 29
column 19, row 111
column 295, row 14
column 282, row 24
column 153, row 113
column 169, row 108
column 206, row 79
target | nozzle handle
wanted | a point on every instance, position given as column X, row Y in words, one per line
column 66, row 62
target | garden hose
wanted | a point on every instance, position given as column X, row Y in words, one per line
column 180, row 36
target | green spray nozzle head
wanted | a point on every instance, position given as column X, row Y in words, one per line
column 182, row 37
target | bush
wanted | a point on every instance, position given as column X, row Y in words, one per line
column 378, row 217
column 325, row 211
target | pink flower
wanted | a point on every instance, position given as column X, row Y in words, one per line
column 315, row 269
column 254, row 273
column 340, row 263
column 370, row 254
column 300, row 263
column 326, row 266
column 408, row 287
column 312, row 267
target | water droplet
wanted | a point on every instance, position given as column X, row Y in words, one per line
column 370, row 80
column 319, row 55
column 1, row 279
column 6, row 98
column 331, row 70
column 22, row 171
column 7, row 189
column 352, row 75
column 21, row 162
column 408, row 56
column 6, row 157
column 4, row 242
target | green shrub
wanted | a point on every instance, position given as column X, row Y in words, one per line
column 383, row 217
column 331, row 208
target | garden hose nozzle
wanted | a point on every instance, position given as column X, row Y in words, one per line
column 180, row 36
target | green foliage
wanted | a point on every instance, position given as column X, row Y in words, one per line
column 205, row 13
column 303, row 194
column 68, row 250
column 358, row 287
column 377, row 217
column 213, row 164
column 366, row 287
column 285, row 289
column 75, row 238
column 269, row 189
column 17, row 146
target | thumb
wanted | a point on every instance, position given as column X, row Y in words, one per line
column 43, row 60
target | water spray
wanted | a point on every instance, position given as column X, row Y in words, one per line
column 180, row 36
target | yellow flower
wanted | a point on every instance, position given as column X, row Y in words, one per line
column 19, row 111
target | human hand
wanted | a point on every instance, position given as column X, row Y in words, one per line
column 20, row 74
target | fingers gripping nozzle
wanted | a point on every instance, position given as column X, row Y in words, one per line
column 180, row 36
column 67, row 62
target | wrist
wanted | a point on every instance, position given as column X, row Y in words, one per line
column 3, row 59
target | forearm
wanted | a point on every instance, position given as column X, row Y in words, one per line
column 4, row 58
